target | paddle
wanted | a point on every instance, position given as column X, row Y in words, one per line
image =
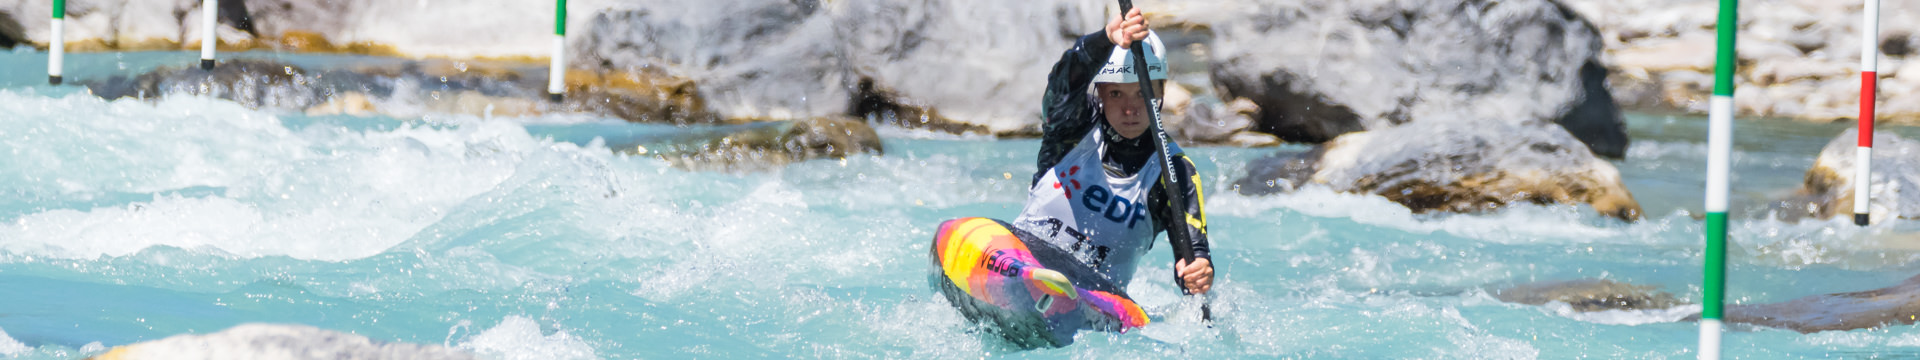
column 1182, row 246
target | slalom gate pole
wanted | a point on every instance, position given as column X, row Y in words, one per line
column 1719, row 156
column 1869, row 64
column 557, row 76
column 210, row 10
column 57, row 45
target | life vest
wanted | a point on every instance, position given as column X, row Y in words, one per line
column 1103, row 220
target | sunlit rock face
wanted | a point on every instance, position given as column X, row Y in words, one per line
column 979, row 62
column 278, row 342
column 1829, row 188
column 1798, row 59
column 1447, row 167
column 1319, row 69
column 415, row 88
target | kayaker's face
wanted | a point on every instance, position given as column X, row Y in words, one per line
column 1126, row 111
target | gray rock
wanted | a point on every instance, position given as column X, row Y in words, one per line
column 761, row 148
column 1587, row 295
column 1829, row 187
column 977, row 62
column 278, row 342
column 1453, row 166
column 431, row 86
column 1321, row 69
column 1893, row 305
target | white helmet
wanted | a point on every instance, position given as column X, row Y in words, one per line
column 1119, row 68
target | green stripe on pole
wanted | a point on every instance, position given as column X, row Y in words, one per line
column 59, row 9
column 560, row 18
column 1716, row 267
column 1723, row 66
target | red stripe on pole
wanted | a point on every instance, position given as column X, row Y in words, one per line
column 1867, row 80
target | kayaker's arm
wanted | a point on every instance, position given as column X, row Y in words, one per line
column 1189, row 223
column 1069, row 115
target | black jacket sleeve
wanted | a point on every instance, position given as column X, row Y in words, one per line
column 1187, row 221
column 1069, row 115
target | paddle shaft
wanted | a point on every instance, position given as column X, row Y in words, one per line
column 1182, row 245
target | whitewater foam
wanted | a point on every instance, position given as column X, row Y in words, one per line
column 521, row 338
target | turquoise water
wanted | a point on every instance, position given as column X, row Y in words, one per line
column 525, row 238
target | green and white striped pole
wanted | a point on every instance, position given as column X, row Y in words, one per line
column 1719, row 156
column 557, row 76
column 210, row 9
column 57, row 45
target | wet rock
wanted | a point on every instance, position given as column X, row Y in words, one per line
column 1367, row 65
column 1453, row 166
column 277, row 342
column 1888, row 306
column 1829, row 186
column 767, row 147
column 1588, row 295
column 1893, row 305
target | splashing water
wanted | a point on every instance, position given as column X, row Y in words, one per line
column 514, row 238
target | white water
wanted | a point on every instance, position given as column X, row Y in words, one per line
column 125, row 221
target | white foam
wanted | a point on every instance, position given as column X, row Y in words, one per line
column 518, row 338
column 11, row 347
column 322, row 193
column 1623, row 317
column 1516, row 224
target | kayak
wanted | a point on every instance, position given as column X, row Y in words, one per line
column 1032, row 293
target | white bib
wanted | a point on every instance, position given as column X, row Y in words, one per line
column 1103, row 220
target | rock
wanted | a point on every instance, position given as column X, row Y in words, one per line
column 416, row 88
column 1694, row 53
column 277, row 342
column 1828, row 190
column 1588, row 295
column 1450, row 167
column 1811, row 46
column 1889, row 306
column 766, row 147
column 976, row 62
column 123, row 25
column 1368, row 65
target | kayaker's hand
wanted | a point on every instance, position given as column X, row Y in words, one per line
column 1124, row 31
column 1198, row 276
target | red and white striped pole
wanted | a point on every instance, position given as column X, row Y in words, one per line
column 1869, row 63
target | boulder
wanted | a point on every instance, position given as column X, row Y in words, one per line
column 1829, row 187
column 1588, row 295
column 769, row 146
column 976, row 62
column 1889, row 306
column 415, row 88
column 277, row 342
column 1453, row 166
column 1321, row 69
